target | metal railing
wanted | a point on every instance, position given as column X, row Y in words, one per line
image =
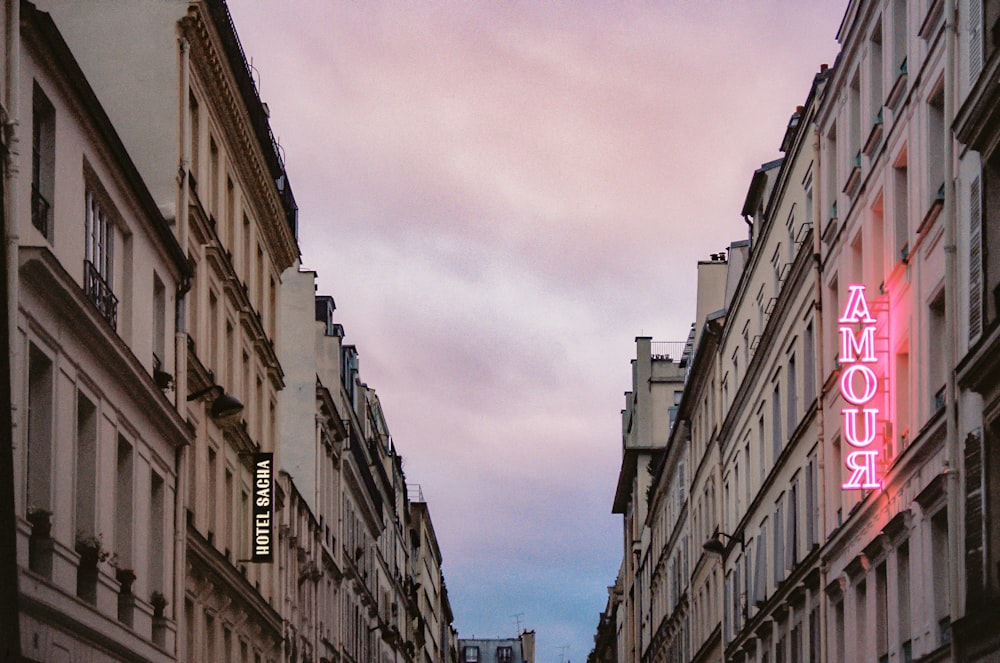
column 667, row 349
column 100, row 294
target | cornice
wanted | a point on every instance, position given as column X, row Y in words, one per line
column 219, row 87
column 207, row 564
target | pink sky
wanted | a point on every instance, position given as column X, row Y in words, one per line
column 500, row 196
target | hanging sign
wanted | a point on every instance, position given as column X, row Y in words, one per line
column 859, row 385
column 263, row 507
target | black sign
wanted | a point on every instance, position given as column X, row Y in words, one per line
column 263, row 511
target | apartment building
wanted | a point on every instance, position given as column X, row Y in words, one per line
column 220, row 508
column 498, row 650
column 890, row 507
column 698, row 488
column 856, row 363
column 657, row 379
column 376, row 571
column 767, row 433
column 98, row 419
column 428, row 605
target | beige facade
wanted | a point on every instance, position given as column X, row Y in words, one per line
column 373, row 561
column 657, row 379
column 856, row 367
column 96, row 425
column 146, row 353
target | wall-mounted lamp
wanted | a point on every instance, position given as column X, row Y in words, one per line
column 226, row 408
column 715, row 546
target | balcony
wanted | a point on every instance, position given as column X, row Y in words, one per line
column 100, row 294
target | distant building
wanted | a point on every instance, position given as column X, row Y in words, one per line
column 502, row 650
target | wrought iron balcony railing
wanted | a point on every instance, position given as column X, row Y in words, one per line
column 100, row 294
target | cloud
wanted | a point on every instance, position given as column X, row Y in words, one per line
column 501, row 196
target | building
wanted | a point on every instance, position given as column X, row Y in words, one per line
column 363, row 565
column 657, row 380
column 498, row 650
column 98, row 418
column 977, row 274
column 427, row 595
column 890, row 523
column 856, row 366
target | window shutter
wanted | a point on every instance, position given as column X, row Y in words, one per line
column 975, row 40
column 975, row 260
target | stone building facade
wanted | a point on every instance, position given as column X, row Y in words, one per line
column 853, row 367
column 234, row 497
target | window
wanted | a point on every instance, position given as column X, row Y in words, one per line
column 505, row 654
column 98, row 265
column 939, row 565
column 901, row 205
column 861, row 620
column 159, row 321
column 792, row 526
column 875, row 74
column 936, row 361
column 779, row 541
column 881, row 613
column 902, row 393
column 124, row 527
column 777, row 442
column 903, row 593
column 809, row 365
column 899, row 35
column 157, row 514
column 40, row 420
column 471, row 655
column 43, row 152
column 811, row 510
column 195, row 138
column 792, row 395
column 86, row 465
column 936, row 133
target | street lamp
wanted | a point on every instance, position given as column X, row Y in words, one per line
column 715, row 546
column 226, row 408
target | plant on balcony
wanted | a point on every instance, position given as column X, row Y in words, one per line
column 41, row 522
column 90, row 547
column 159, row 603
column 125, row 577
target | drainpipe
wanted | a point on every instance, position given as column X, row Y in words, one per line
column 180, row 358
column 818, row 344
column 954, row 459
column 9, row 614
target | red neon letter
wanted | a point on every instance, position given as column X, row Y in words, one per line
column 847, row 384
column 863, row 464
column 856, row 309
column 853, row 349
column 851, row 426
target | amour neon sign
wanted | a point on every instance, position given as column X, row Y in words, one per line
column 859, row 385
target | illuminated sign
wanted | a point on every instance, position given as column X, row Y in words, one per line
column 858, row 385
column 263, row 500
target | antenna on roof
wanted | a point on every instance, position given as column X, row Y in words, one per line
column 517, row 617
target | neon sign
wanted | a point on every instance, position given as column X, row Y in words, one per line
column 858, row 385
